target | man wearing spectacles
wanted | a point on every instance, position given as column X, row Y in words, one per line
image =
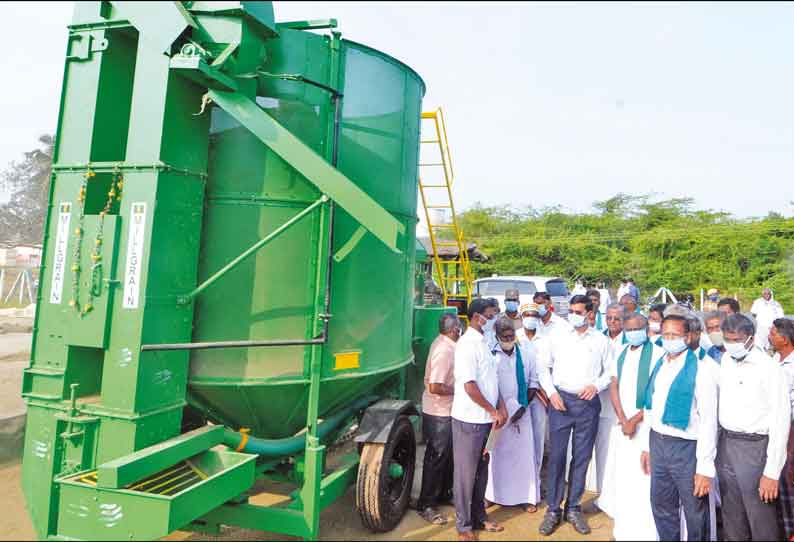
column 680, row 437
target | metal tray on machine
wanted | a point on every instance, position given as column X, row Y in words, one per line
column 156, row 505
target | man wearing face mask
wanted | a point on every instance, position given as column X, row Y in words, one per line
column 781, row 337
column 512, row 480
column 436, row 420
column 755, row 417
column 538, row 408
column 679, row 436
column 595, row 297
column 549, row 321
column 714, row 330
column 476, row 409
column 655, row 317
column 511, row 308
column 629, row 486
column 630, row 303
column 712, row 298
column 572, row 368
column 602, row 464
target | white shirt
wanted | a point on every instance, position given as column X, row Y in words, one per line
column 474, row 363
column 616, row 346
column 756, row 401
column 766, row 311
column 788, row 369
column 702, row 416
column 606, row 300
column 554, row 323
column 570, row 360
column 631, row 370
column 506, row 368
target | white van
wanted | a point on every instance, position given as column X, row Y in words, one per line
column 527, row 286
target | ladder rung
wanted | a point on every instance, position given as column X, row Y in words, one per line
column 450, row 244
column 444, row 226
column 430, row 141
column 434, row 186
column 437, row 164
column 457, row 279
column 439, row 207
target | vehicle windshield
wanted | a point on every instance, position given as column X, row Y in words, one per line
column 489, row 288
column 557, row 288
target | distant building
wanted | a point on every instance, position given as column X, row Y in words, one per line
column 21, row 256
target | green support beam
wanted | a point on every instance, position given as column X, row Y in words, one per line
column 308, row 163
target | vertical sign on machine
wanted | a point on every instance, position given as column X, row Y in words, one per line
column 61, row 243
column 132, row 269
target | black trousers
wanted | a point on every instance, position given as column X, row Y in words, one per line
column 581, row 417
column 673, row 465
column 740, row 464
column 437, row 466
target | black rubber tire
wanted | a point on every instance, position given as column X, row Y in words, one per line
column 381, row 501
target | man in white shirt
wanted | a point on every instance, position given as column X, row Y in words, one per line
column 680, row 436
column 781, row 337
column 512, row 480
column 571, row 365
column 540, row 405
column 600, row 323
column 754, row 416
column 606, row 299
column 476, row 408
column 603, row 463
column 766, row 310
column 629, row 486
column 549, row 321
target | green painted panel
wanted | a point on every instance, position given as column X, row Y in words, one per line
column 331, row 181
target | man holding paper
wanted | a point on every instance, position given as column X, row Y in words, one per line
column 476, row 410
column 512, row 480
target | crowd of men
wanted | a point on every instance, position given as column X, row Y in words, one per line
column 680, row 423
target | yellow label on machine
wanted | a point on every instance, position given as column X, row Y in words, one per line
column 346, row 360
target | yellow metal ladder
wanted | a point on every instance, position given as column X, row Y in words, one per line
column 436, row 175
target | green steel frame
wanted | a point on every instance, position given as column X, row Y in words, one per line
column 128, row 124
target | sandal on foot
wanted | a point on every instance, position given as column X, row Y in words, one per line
column 433, row 516
column 492, row 527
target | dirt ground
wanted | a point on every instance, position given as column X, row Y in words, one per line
column 338, row 522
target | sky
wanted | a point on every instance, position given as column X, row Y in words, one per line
column 546, row 103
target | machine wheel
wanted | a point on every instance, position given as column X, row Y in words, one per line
column 385, row 478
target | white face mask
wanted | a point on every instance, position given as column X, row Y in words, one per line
column 737, row 350
column 530, row 322
column 656, row 327
column 577, row 320
column 716, row 338
column 487, row 327
column 674, row 346
column 507, row 346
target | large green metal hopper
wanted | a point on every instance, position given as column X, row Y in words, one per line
column 251, row 191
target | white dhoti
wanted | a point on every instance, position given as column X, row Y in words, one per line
column 512, row 478
column 539, row 416
column 630, row 489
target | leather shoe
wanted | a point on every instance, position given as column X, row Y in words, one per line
column 549, row 524
column 576, row 518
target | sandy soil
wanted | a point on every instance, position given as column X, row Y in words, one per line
column 338, row 522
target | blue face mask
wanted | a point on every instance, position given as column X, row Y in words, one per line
column 636, row 337
column 511, row 306
column 674, row 346
column 542, row 310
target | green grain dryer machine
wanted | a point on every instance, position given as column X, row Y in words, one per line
column 228, row 281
